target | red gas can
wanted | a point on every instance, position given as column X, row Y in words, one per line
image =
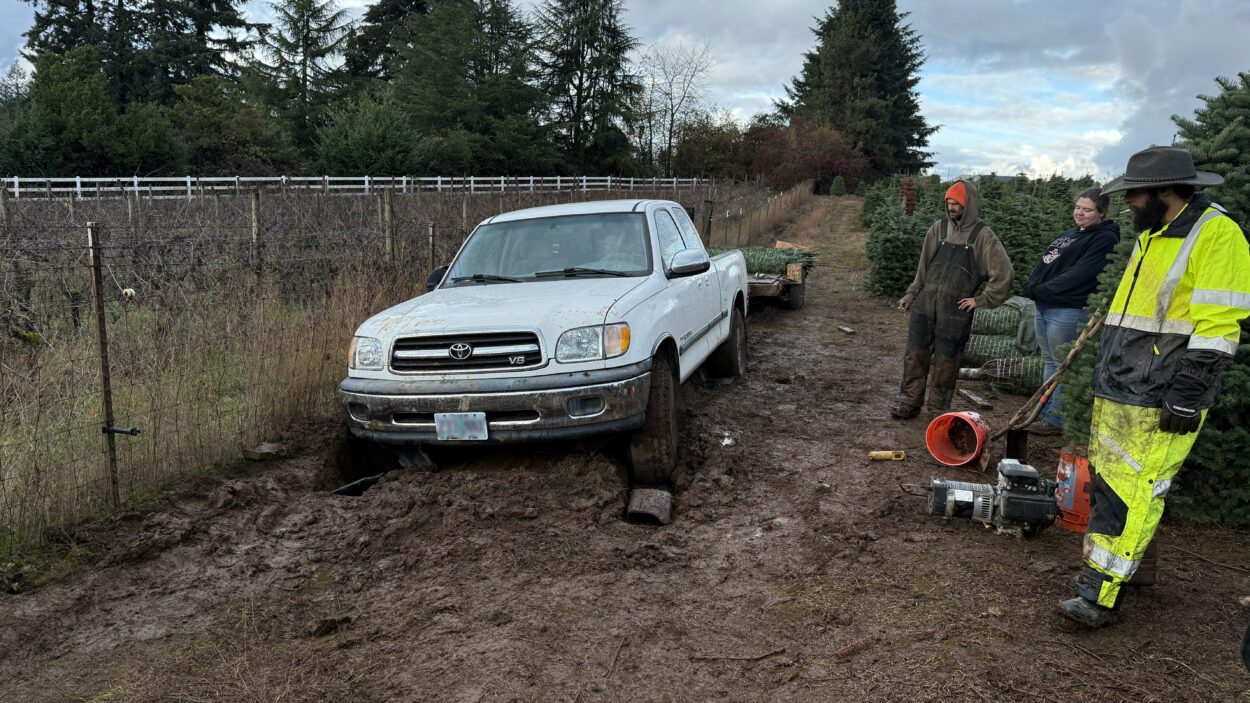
column 1072, row 493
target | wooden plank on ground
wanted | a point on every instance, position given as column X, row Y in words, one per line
column 977, row 400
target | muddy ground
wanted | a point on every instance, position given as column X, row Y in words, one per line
column 795, row 569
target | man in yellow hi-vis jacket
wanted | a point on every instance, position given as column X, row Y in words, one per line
column 1171, row 329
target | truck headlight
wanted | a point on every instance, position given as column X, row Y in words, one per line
column 365, row 354
column 591, row 343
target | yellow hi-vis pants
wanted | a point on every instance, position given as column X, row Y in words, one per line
column 1134, row 463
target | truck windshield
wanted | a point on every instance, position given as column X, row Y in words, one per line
column 610, row 244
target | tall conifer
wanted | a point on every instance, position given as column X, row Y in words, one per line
column 861, row 80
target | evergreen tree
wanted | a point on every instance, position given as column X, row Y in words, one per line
column 1218, row 136
column 67, row 96
column 300, row 73
column 61, row 26
column 861, row 81
column 225, row 136
column 369, row 51
column 466, row 80
column 585, row 73
column 145, row 48
column 14, row 89
column 368, row 136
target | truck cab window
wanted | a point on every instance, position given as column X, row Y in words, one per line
column 668, row 235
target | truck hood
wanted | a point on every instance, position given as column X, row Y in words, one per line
column 549, row 306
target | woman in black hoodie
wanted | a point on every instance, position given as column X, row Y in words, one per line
column 1062, row 281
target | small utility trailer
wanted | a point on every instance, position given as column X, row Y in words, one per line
column 789, row 289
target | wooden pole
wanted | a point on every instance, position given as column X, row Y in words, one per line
column 433, row 265
column 254, row 254
column 388, row 224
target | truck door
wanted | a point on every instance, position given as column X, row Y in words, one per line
column 688, row 292
column 712, row 294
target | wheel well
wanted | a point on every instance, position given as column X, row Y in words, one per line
column 668, row 348
column 740, row 304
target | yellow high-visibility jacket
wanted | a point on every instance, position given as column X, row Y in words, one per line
column 1183, row 294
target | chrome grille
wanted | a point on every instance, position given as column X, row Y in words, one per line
column 467, row 352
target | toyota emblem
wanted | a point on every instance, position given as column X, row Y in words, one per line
column 461, row 350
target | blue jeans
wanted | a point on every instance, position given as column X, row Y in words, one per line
column 1056, row 326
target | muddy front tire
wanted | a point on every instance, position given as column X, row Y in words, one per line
column 653, row 447
column 730, row 358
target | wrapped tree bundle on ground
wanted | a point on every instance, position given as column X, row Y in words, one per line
column 1002, row 320
column 984, row 347
column 769, row 260
column 1018, row 374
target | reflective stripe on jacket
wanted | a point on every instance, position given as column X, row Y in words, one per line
column 1184, row 291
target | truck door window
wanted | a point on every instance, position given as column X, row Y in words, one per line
column 668, row 234
column 688, row 232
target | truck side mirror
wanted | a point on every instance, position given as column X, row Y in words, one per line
column 435, row 278
column 688, row 262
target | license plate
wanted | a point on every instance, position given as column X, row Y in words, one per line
column 460, row 425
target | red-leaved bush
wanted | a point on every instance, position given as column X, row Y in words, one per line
column 788, row 154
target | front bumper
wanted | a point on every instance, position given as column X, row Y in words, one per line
column 525, row 409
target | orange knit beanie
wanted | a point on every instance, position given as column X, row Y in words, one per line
column 958, row 193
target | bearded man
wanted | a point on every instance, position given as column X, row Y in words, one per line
column 1171, row 328
column 960, row 252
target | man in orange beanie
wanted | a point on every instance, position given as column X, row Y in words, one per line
column 960, row 252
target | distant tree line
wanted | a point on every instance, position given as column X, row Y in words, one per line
column 439, row 87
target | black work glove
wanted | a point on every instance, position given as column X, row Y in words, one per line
column 1186, row 397
column 1178, row 419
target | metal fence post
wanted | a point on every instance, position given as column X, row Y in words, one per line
column 5, row 213
column 106, row 383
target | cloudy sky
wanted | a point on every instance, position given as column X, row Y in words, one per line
column 1036, row 86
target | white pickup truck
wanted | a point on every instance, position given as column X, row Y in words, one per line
column 554, row 323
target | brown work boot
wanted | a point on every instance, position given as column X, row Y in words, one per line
column 942, row 374
column 911, row 394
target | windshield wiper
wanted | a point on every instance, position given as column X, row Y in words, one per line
column 486, row 278
column 579, row 271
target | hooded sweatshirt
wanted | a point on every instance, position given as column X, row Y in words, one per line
column 990, row 255
column 1068, row 271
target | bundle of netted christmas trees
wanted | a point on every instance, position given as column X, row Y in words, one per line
column 768, row 259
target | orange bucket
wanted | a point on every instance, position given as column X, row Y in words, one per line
column 1072, row 493
column 956, row 439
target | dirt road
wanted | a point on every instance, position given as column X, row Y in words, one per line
column 794, row 570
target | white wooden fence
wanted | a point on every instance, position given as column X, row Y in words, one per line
column 80, row 188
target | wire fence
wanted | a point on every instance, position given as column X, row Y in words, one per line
column 188, row 329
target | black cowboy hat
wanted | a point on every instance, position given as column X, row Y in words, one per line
column 1161, row 166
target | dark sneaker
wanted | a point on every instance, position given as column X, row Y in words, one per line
column 1087, row 613
column 904, row 412
column 1043, row 428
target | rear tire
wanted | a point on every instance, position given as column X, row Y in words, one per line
column 730, row 358
column 653, row 447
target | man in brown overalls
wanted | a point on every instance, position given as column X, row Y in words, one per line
column 960, row 253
